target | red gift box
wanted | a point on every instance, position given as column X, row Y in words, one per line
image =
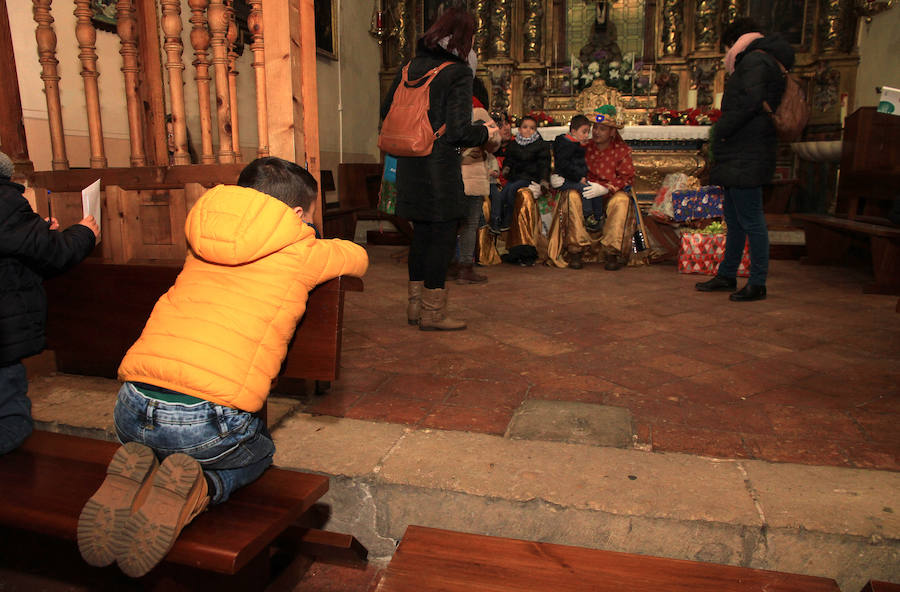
column 702, row 253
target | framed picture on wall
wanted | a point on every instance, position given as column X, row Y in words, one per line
column 326, row 28
column 103, row 15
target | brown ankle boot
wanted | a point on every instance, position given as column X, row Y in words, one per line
column 575, row 261
column 414, row 307
column 453, row 270
column 467, row 275
column 434, row 318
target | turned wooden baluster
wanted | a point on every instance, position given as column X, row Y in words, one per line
column 218, row 26
column 87, row 37
column 126, row 25
column 46, row 42
column 232, row 80
column 200, row 43
column 171, row 26
column 255, row 24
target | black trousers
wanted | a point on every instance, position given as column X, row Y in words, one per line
column 431, row 251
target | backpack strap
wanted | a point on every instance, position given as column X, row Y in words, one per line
column 429, row 76
column 784, row 73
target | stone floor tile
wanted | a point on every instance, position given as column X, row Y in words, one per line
column 333, row 403
column 325, row 577
column 730, row 417
column 799, row 422
column 550, row 393
column 392, row 409
column 468, row 419
column 796, row 396
column 485, row 393
column 705, row 442
column 637, row 377
column 812, row 450
column 417, row 386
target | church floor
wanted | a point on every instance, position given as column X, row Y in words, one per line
column 811, row 375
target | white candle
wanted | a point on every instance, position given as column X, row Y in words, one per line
column 718, row 102
column 692, row 98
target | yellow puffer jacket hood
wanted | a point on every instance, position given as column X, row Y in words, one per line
column 221, row 332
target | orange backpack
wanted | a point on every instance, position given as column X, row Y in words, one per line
column 793, row 112
column 407, row 131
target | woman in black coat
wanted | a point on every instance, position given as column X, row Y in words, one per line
column 30, row 250
column 430, row 188
column 743, row 150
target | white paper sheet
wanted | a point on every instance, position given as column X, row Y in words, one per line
column 90, row 202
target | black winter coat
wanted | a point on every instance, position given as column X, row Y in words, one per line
column 30, row 252
column 528, row 163
column 430, row 188
column 744, row 138
column 569, row 159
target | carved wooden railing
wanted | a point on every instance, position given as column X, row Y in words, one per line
column 144, row 206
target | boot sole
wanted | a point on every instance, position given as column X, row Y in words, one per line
column 412, row 322
column 103, row 517
column 174, row 499
column 422, row 328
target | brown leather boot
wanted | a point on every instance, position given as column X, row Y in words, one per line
column 453, row 270
column 414, row 307
column 467, row 275
column 434, row 318
column 575, row 261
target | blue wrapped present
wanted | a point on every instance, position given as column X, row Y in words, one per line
column 697, row 204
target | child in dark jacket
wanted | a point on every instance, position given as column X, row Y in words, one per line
column 31, row 249
column 527, row 164
column 568, row 156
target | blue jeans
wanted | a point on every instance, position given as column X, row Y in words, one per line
column 502, row 205
column 233, row 446
column 743, row 209
column 15, row 407
column 588, row 206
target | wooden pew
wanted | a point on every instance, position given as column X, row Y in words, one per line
column 433, row 559
column 876, row 586
column 828, row 239
column 97, row 311
column 48, row 480
column 360, row 184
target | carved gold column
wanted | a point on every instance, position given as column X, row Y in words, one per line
column 534, row 23
column 732, row 9
column 500, row 28
column 831, row 25
column 46, row 42
column 171, row 27
column 672, row 22
column 705, row 36
column 126, row 27
column 255, row 24
column 401, row 31
column 87, row 38
column 480, row 9
column 218, row 26
column 200, row 42
column 232, row 81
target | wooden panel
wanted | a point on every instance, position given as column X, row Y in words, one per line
column 55, row 474
column 12, row 128
column 432, row 559
column 876, row 586
column 126, row 294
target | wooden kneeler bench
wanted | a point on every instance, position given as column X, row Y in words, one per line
column 239, row 545
column 432, row 559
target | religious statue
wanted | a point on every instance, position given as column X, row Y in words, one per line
column 602, row 45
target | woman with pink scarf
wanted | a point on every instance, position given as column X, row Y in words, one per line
column 743, row 150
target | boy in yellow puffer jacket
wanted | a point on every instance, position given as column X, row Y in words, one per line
column 205, row 361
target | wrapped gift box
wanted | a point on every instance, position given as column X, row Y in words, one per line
column 702, row 253
column 697, row 204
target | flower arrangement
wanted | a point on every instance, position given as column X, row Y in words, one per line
column 687, row 117
column 542, row 119
column 623, row 75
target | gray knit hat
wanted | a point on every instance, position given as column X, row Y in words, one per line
column 6, row 166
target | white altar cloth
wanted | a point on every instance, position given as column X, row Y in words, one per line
column 642, row 132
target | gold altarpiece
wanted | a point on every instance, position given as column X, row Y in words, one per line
column 524, row 52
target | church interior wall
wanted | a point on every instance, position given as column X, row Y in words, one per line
column 879, row 46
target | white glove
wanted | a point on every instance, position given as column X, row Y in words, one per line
column 556, row 181
column 535, row 189
column 594, row 190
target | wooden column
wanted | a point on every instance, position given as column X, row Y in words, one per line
column 255, row 24
column 310, row 93
column 200, row 43
column 291, row 89
column 46, row 42
column 12, row 129
column 151, row 87
column 126, row 25
column 232, row 82
column 87, row 38
column 171, row 26
column 218, row 27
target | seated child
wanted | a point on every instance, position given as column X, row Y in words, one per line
column 526, row 164
column 568, row 155
column 206, row 360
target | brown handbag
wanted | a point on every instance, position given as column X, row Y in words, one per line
column 407, row 131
